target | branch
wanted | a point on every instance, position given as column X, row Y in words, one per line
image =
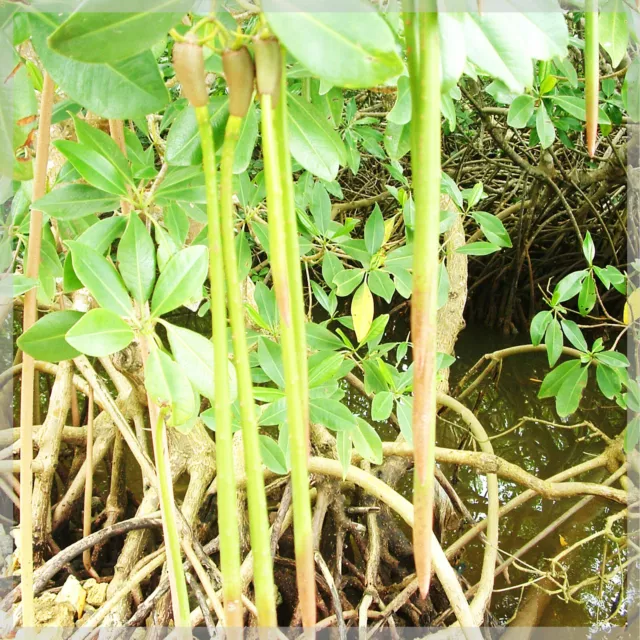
column 445, row 572
column 56, row 564
column 487, row 463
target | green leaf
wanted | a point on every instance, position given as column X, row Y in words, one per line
column 124, row 89
column 312, row 141
column 362, row 311
column 443, row 360
column 70, row 281
column 331, row 414
column 453, row 49
column 608, row 381
column 331, row 266
column 274, row 413
column 92, row 166
column 544, row 127
column 382, row 406
column 320, row 208
column 539, row 325
column 503, row 43
column 100, row 236
column 397, row 140
column 632, row 434
column 45, row 340
column 367, row 442
column 548, row 84
column 443, row 286
column 246, row 141
column 520, row 111
column 243, row 253
column 376, row 331
column 374, row 231
column 343, row 445
column 137, row 259
column 92, row 35
column 181, row 280
column 74, row 201
column 553, row 341
column 21, row 284
column 323, row 366
column 270, row 360
column 194, row 353
column 105, row 145
column 272, row 455
column 381, row 284
column 322, row 297
column 352, row 48
column 267, row 307
column 588, row 248
column 613, row 359
column 347, row 281
column 99, row 333
column 587, row 297
column 478, row 248
column 101, row 278
column 566, row 67
column 554, row 380
column 614, row 31
column 575, row 106
column 574, row 334
column 185, row 184
column 320, row 338
column 183, row 141
column 570, row 393
column 168, row 386
column 404, row 410
column 568, row 287
column 492, row 228
column 401, row 112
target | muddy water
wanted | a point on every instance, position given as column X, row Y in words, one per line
column 542, row 450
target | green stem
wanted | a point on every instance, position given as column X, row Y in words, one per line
column 256, row 497
column 172, row 541
column 227, row 497
column 591, row 72
column 305, row 568
column 292, row 250
column 425, row 163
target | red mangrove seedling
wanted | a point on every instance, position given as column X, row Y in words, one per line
column 269, row 72
column 239, row 72
column 424, row 69
column 189, row 67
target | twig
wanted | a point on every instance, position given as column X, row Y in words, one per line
column 202, row 602
column 335, row 596
column 204, row 579
column 88, row 491
column 51, row 567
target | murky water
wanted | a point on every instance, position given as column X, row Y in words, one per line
column 542, row 450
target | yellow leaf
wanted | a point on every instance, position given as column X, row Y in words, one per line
column 388, row 228
column 563, row 542
column 547, row 84
column 632, row 307
column 362, row 311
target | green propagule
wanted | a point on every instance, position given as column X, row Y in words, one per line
column 239, row 73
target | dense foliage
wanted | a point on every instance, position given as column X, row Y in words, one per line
column 126, row 258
